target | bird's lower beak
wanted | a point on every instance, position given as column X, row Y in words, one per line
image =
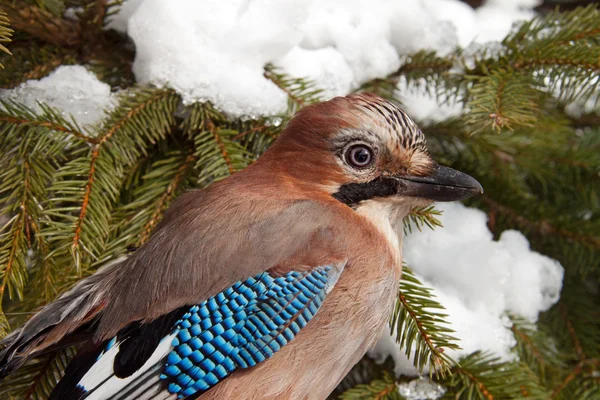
column 443, row 184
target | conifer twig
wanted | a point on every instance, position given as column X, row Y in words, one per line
column 417, row 323
column 540, row 227
column 578, row 369
column 277, row 81
column 94, row 157
column 565, row 315
column 50, row 125
column 44, row 25
column 166, row 198
column 526, row 339
column 215, row 133
column 5, row 33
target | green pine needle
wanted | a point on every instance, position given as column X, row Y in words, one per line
column 379, row 389
column 5, row 33
column 481, row 376
column 420, row 217
column 36, row 379
column 420, row 328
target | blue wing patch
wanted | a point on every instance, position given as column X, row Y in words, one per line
column 242, row 326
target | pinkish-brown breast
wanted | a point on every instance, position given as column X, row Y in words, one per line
column 347, row 325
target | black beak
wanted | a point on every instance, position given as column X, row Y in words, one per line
column 443, row 184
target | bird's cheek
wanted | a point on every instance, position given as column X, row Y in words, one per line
column 394, row 169
column 420, row 202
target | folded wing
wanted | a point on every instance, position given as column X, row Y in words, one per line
column 238, row 328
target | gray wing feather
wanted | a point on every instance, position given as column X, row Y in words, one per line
column 56, row 320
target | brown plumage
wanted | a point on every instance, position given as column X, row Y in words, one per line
column 300, row 206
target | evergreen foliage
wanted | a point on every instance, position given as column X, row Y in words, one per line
column 5, row 33
column 73, row 199
column 419, row 325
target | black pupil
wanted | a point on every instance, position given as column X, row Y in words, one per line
column 360, row 156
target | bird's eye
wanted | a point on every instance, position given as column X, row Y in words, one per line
column 359, row 156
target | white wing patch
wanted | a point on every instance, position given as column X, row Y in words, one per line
column 100, row 380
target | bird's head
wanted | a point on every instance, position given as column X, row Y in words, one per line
column 362, row 147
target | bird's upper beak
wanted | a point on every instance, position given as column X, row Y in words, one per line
column 443, row 184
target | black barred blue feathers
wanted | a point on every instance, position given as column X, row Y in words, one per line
column 238, row 328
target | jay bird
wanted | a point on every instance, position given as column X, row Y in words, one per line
column 271, row 283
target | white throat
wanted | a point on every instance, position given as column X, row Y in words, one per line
column 387, row 217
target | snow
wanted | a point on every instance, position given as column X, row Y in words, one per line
column 478, row 280
column 579, row 107
column 220, row 51
column 72, row 89
column 222, row 47
column 495, row 19
column 423, row 106
column 326, row 66
column 120, row 20
column 421, row 389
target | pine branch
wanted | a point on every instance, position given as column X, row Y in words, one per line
column 43, row 24
column 420, row 217
column 257, row 136
column 537, row 348
column 575, row 325
column 172, row 189
column 579, row 377
column 440, row 77
column 36, row 379
column 541, row 227
column 169, row 175
column 56, row 7
column 5, row 33
column 363, row 372
column 29, row 158
column 481, row 376
column 383, row 87
column 576, row 320
column 420, row 327
column 86, row 189
column 586, row 386
column 198, row 116
column 561, row 49
column 16, row 114
column 379, row 389
column 500, row 100
column 421, row 70
column 13, row 254
column 218, row 154
column 426, row 65
column 33, row 60
column 574, row 336
column 301, row 92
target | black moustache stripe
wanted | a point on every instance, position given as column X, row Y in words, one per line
column 353, row 193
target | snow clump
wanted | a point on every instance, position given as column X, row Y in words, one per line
column 72, row 89
column 216, row 51
column 479, row 281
